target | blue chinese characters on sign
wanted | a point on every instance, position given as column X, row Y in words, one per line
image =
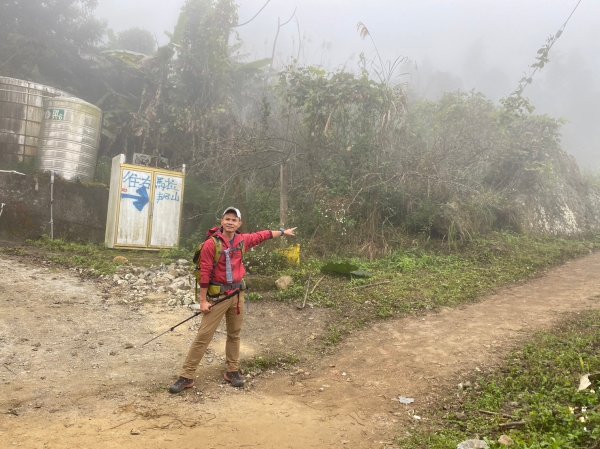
column 167, row 189
column 140, row 183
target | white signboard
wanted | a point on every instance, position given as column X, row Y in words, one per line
column 168, row 191
column 144, row 207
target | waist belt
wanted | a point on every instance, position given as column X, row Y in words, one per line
column 227, row 287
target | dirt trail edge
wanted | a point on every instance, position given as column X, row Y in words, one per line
column 72, row 373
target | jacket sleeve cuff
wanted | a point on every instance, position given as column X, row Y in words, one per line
column 271, row 234
column 204, row 284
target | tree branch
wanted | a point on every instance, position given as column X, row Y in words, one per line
column 279, row 27
column 253, row 17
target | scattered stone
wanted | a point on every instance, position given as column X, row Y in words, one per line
column 505, row 440
column 137, row 284
column 135, row 432
column 120, row 260
column 472, row 444
column 284, row 282
column 461, row 416
column 161, row 281
column 128, row 346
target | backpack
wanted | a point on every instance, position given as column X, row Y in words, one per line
column 210, row 234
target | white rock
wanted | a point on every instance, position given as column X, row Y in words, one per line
column 161, row 281
column 284, row 282
column 472, row 444
column 505, row 440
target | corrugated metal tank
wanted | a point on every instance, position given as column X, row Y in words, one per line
column 69, row 138
column 21, row 114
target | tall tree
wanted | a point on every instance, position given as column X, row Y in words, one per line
column 203, row 72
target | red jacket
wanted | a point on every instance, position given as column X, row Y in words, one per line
column 217, row 274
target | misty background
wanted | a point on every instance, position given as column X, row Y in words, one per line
column 482, row 45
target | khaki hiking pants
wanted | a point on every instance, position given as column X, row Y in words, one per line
column 208, row 326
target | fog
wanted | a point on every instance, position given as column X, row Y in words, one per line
column 485, row 45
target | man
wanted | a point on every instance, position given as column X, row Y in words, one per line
column 223, row 277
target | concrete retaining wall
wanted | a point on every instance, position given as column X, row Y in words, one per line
column 79, row 209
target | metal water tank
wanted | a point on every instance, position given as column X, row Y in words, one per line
column 21, row 113
column 69, row 138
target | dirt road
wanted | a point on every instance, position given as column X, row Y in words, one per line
column 73, row 374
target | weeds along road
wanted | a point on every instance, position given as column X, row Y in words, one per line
column 73, row 374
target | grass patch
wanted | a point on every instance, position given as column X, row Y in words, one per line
column 428, row 276
column 97, row 259
column 537, row 388
column 76, row 255
column 168, row 256
column 265, row 362
column 335, row 334
column 254, row 297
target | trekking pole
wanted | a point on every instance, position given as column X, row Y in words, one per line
column 171, row 329
column 193, row 316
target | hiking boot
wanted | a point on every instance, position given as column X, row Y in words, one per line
column 234, row 378
column 181, row 384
